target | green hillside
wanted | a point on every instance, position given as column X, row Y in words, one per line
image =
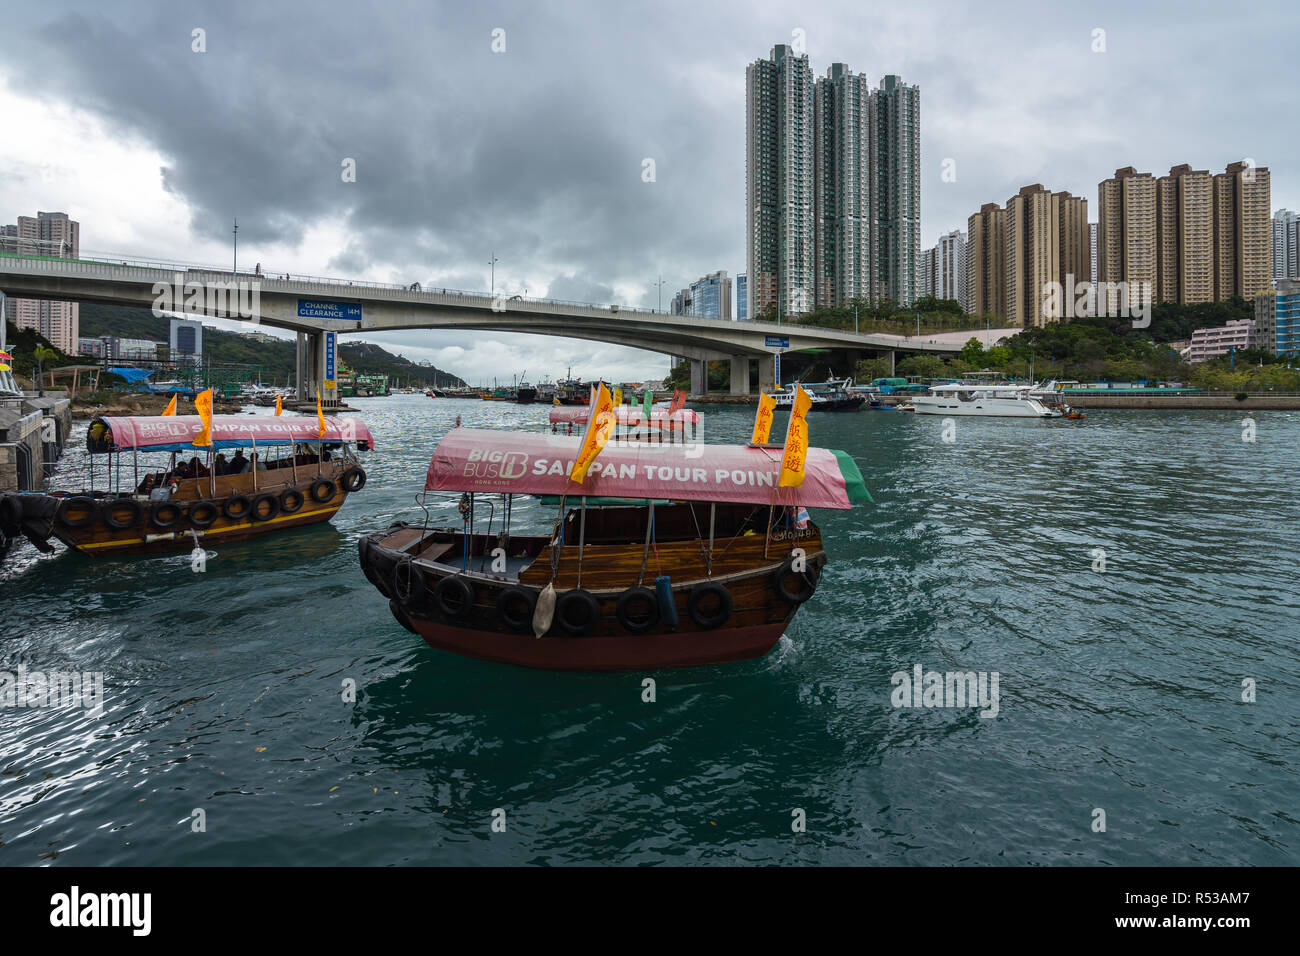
column 275, row 359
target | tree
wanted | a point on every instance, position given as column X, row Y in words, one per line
column 42, row 353
column 868, row 370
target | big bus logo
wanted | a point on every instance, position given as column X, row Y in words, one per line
column 507, row 465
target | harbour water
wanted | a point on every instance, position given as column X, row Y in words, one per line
column 1120, row 677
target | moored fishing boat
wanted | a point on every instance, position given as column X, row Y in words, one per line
column 664, row 555
column 197, row 496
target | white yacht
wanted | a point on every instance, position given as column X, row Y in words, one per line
column 967, row 398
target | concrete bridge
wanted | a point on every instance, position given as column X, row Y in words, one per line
column 321, row 309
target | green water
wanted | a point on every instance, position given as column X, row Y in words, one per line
column 1119, row 690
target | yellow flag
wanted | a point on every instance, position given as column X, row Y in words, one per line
column 278, row 407
column 618, row 396
column 763, row 420
column 600, row 424
column 171, row 407
column 203, row 402
column 320, row 415
column 796, row 441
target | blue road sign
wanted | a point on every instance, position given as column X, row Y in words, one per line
column 321, row 309
column 777, row 341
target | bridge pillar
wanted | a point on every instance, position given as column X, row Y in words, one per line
column 893, row 355
column 311, row 370
column 766, row 373
column 699, row 377
column 740, row 375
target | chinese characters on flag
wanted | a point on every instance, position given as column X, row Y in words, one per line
column 796, row 441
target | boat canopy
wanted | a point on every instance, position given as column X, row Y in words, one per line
column 177, row 432
column 631, row 415
column 484, row 460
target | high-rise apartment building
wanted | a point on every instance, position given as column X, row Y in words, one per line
column 708, row 297
column 779, row 184
column 1017, row 256
column 1244, row 234
column 1185, row 236
column 742, row 290
column 1286, row 244
column 942, row 269
column 832, row 187
column 45, row 234
column 1074, row 240
column 1195, row 237
column 1092, row 254
column 896, row 186
column 986, row 240
column 1032, row 255
column 845, row 249
column 1126, row 236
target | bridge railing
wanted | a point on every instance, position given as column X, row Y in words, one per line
column 270, row 275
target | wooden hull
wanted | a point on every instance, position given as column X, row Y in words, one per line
column 751, row 569
column 654, row 651
column 145, row 535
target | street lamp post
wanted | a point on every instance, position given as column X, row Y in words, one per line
column 660, row 286
column 493, row 263
column 234, row 261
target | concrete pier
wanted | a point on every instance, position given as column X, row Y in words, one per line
column 33, row 432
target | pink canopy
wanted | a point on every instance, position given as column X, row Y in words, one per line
column 177, row 432
column 630, row 415
column 474, row 459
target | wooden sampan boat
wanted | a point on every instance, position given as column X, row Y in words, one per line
column 663, row 423
column 672, row 555
column 198, row 499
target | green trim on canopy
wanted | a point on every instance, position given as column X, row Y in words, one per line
column 853, row 480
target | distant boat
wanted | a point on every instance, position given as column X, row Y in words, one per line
column 830, row 396
column 993, row 401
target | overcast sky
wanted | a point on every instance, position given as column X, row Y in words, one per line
column 535, row 154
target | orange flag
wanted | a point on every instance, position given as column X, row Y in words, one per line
column 320, row 415
column 679, row 400
column 600, row 424
column 203, row 402
column 278, row 407
column 796, row 441
column 763, row 420
column 171, row 407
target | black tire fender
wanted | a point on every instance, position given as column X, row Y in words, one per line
column 514, row 616
column 92, row 511
column 209, row 510
column 407, row 583
column 452, row 596
column 165, row 514
column 353, row 480
column 808, row 577
column 697, row 597
column 255, row 509
column 237, row 507
column 291, row 501
column 622, row 610
column 587, row 608
column 110, row 509
column 322, row 490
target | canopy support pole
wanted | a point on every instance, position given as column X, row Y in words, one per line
column 713, row 517
column 254, row 466
column 582, row 536
column 645, row 551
